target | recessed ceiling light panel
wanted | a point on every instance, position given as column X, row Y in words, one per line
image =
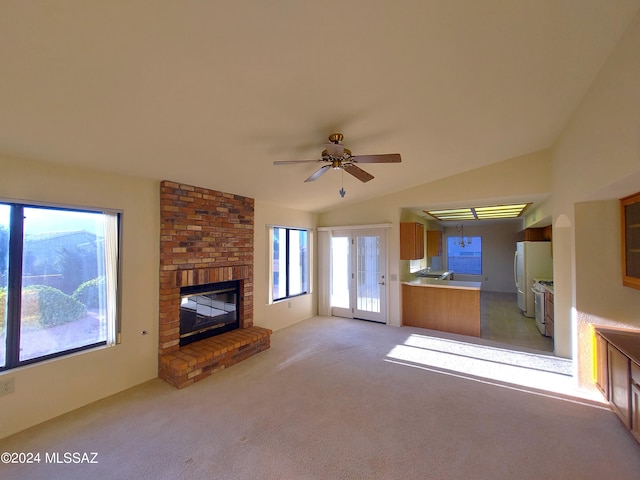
column 479, row 213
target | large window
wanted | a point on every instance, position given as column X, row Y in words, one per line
column 464, row 255
column 58, row 281
column 289, row 262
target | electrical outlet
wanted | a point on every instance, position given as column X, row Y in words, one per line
column 7, row 386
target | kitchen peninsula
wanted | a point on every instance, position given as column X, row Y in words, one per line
column 445, row 305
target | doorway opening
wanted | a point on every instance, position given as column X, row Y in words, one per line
column 358, row 274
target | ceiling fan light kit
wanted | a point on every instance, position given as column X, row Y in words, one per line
column 337, row 157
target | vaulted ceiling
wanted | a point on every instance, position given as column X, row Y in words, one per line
column 211, row 93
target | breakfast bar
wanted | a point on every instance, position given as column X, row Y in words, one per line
column 445, row 305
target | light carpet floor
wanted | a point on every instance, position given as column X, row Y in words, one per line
column 347, row 399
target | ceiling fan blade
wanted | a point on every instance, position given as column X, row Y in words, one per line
column 358, row 173
column 384, row 158
column 318, row 173
column 285, row 162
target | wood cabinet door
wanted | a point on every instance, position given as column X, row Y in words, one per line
column 619, row 391
column 602, row 371
column 635, row 401
column 630, row 223
column 411, row 241
column 434, row 243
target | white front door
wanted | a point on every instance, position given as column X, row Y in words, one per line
column 358, row 274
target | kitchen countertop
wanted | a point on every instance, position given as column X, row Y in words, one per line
column 434, row 282
column 628, row 342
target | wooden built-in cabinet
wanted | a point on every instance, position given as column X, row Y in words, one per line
column 542, row 234
column 635, row 401
column 602, row 370
column 411, row 241
column 618, row 374
column 630, row 223
column 442, row 307
column 548, row 313
column 619, row 387
column 434, row 243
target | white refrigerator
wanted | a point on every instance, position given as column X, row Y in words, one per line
column 532, row 259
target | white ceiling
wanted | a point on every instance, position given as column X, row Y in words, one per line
column 210, row 93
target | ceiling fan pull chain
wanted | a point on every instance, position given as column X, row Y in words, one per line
column 342, row 190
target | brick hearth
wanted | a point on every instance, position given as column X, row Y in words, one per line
column 206, row 236
column 200, row 359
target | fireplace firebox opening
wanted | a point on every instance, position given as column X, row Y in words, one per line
column 208, row 310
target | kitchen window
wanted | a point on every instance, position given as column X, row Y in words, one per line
column 464, row 255
column 58, row 282
column 289, row 262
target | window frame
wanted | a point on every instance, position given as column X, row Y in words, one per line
column 15, row 257
column 306, row 268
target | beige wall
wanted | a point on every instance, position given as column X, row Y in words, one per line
column 48, row 389
column 280, row 314
column 596, row 158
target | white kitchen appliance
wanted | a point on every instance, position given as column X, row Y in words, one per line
column 540, row 287
column 532, row 259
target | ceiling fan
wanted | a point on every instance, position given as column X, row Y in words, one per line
column 337, row 157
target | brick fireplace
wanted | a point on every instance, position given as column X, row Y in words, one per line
column 206, row 237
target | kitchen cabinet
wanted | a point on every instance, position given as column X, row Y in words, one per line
column 602, row 372
column 434, row 243
column 618, row 373
column 630, row 235
column 445, row 305
column 411, row 241
column 619, row 388
column 635, row 401
column 542, row 234
column 548, row 313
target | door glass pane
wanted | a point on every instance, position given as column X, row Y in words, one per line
column 63, row 282
column 340, row 272
column 4, row 263
column 368, row 274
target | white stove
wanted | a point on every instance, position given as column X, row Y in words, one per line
column 539, row 288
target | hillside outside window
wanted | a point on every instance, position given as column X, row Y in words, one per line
column 58, row 282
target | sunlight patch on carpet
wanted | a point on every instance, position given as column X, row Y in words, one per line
column 472, row 361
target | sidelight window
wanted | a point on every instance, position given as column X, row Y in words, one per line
column 58, row 281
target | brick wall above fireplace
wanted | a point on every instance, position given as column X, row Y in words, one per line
column 205, row 236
